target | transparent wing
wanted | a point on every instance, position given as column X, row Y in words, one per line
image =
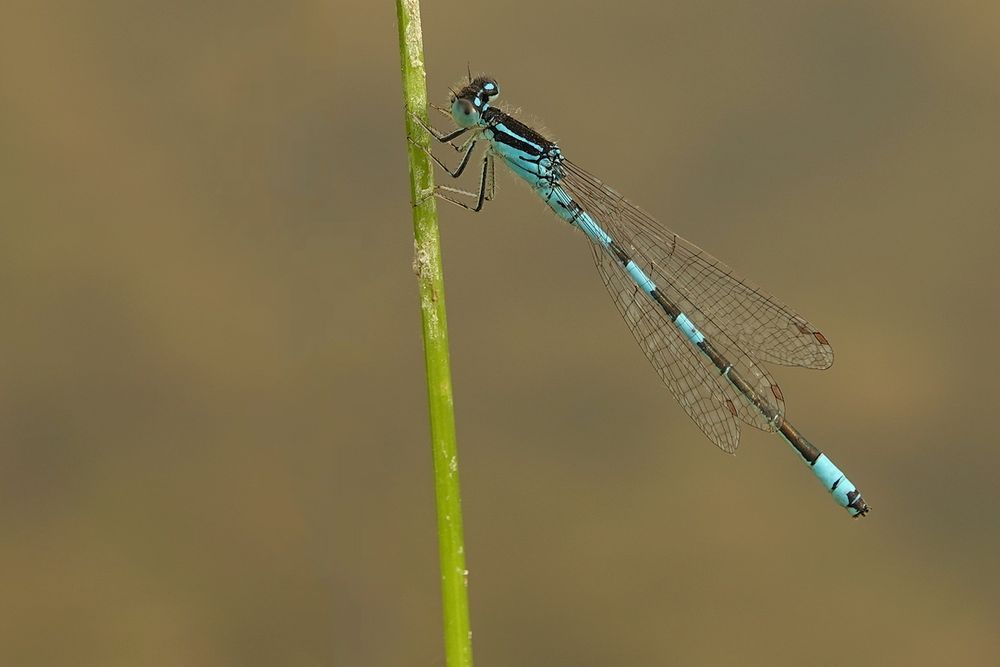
column 709, row 399
column 695, row 385
column 742, row 322
column 759, row 324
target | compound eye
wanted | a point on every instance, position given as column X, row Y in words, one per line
column 491, row 88
column 465, row 106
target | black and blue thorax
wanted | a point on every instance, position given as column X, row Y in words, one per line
column 530, row 155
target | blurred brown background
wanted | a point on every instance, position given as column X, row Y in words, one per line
column 213, row 432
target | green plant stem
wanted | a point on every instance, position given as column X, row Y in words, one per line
column 430, row 277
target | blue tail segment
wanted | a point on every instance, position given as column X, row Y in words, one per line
column 843, row 491
column 652, row 273
column 830, row 476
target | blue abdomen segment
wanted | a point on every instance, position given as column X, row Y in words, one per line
column 593, row 230
column 830, row 476
column 567, row 209
column 689, row 329
column 843, row 491
column 640, row 277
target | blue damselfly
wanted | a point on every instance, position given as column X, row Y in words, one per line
column 705, row 330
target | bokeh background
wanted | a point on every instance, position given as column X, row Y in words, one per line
column 213, row 433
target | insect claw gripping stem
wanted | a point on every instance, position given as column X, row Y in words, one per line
column 425, row 194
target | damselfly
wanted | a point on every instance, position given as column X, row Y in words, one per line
column 706, row 331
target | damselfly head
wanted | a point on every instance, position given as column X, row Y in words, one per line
column 468, row 104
